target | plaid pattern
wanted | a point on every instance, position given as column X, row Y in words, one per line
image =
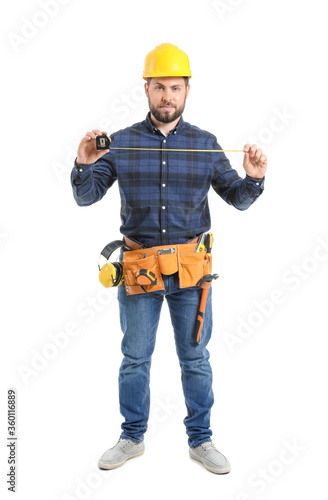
column 164, row 195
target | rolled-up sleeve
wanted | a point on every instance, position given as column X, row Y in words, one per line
column 91, row 182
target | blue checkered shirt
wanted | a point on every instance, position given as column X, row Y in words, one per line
column 164, row 196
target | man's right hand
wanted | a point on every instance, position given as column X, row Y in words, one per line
column 87, row 152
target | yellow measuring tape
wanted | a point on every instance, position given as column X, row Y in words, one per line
column 185, row 150
column 192, row 150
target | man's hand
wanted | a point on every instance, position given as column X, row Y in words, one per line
column 87, row 152
column 255, row 162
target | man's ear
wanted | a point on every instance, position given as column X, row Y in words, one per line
column 146, row 88
column 187, row 90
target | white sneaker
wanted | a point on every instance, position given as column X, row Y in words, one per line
column 211, row 458
column 120, row 453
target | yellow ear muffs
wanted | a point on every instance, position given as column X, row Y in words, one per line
column 111, row 274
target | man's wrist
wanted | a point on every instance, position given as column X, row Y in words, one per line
column 80, row 163
column 255, row 178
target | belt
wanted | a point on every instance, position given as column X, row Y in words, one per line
column 135, row 246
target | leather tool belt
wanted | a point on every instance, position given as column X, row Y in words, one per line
column 166, row 259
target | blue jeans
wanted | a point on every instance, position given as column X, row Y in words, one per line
column 138, row 345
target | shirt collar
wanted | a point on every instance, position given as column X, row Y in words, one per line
column 153, row 129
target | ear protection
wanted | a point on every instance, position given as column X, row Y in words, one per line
column 111, row 273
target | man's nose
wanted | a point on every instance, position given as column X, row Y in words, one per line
column 167, row 95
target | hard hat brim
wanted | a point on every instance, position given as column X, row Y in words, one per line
column 157, row 75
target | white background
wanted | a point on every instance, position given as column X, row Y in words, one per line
column 77, row 68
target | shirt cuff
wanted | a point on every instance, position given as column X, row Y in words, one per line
column 256, row 183
column 82, row 170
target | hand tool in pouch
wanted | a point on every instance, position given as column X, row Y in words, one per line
column 201, row 243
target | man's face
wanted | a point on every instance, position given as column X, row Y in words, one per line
column 167, row 97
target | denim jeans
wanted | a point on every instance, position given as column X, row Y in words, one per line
column 138, row 345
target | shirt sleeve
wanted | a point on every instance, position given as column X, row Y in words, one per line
column 233, row 189
column 91, row 182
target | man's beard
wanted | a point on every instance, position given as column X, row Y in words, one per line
column 166, row 116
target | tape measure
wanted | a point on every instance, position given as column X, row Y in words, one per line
column 146, row 277
column 103, row 142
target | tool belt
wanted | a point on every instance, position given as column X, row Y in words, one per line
column 167, row 259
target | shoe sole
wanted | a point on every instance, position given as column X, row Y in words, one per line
column 224, row 470
column 103, row 465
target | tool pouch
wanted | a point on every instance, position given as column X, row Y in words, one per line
column 192, row 265
column 167, row 259
column 135, row 260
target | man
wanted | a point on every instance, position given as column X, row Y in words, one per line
column 164, row 202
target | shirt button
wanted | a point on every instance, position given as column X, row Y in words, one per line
column 164, row 162
column 80, row 169
column 164, row 231
column 163, row 185
column 175, row 132
column 164, row 141
column 163, row 208
column 257, row 183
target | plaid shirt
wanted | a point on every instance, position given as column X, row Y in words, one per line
column 164, row 195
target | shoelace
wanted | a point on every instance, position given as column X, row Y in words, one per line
column 207, row 446
column 123, row 443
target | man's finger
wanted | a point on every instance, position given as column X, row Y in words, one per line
column 102, row 153
column 247, row 148
column 258, row 154
column 252, row 150
column 97, row 132
column 92, row 135
column 263, row 159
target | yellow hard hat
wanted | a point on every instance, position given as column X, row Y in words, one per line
column 166, row 60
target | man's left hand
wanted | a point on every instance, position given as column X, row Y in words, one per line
column 255, row 162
